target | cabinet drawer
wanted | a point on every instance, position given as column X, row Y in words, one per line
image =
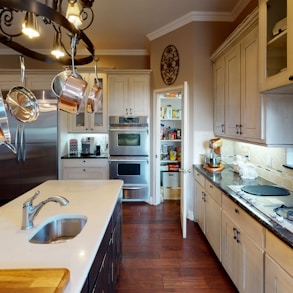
column 214, row 192
column 280, row 252
column 82, row 163
column 199, row 178
column 254, row 229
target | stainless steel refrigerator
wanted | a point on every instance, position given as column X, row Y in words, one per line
column 36, row 144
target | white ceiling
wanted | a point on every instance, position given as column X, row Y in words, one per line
column 126, row 25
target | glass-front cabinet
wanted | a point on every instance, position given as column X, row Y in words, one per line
column 276, row 43
column 87, row 120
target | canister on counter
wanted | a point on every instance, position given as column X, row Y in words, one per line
column 73, row 147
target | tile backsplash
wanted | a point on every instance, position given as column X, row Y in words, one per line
column 268, row 161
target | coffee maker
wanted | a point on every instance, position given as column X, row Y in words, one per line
column 213, row 157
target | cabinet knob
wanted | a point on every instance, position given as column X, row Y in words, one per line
column 236, row 211
column 291, row 77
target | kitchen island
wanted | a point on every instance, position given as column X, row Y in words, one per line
column 95, row 199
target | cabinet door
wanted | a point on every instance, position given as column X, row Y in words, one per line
column 219, row 96
column 39, row 82
column 139, row 95
column 251, row 267
column 213, row 224
column 9, row 81
column 91, row 122
column 276, row 279
column 230, row 248
column 250, row 97
column 232, row 92
column 129, row 94
column 118, row 95
column 276, row 58
column 200, row 206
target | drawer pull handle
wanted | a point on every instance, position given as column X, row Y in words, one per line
column 235, row 233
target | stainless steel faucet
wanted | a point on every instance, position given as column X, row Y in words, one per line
column 29, row 211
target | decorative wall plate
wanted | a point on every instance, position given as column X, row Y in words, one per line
column 170, row 65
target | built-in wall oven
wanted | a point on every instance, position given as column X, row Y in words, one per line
column 129, row 155
column 134, row 171
column 128, row 136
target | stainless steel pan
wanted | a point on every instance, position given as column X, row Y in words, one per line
column 21, row 101
column 5, row 136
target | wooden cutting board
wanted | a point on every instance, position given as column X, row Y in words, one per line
column 33, row 280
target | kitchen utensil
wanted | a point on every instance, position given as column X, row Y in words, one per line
column 94, row 100
column 73, row 90
column 21, row 101
column 5, row 137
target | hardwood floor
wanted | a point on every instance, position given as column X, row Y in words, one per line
column 157, row 259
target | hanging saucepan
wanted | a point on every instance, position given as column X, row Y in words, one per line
column 59, row 80
column 72, row 94
column 94, row 100
column 5, row 137
column 21, row 101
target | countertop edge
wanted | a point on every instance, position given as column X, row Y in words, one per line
column 278, row 231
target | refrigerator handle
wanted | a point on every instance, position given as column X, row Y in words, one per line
column 22, row 143
column 17, row 143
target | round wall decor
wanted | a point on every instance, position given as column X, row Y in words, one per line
column 170, row 64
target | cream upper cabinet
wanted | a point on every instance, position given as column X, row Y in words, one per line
column 232, row 90
column 39, row 81
column 219, row 96
column 129, row 93
column 91, row 122
column 237, row 102
column 276, row 43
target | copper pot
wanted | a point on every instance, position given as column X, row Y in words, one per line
column 73, row 90
column 94, row 101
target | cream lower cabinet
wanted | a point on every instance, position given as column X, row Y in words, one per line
column 208, row 211
column 278, row 265
column 242, row 248
column 85, row 169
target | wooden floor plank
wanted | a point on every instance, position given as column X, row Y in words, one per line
column 156, row 259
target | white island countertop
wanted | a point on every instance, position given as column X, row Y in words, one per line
column 94, row 199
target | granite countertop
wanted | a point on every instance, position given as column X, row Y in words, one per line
column 94, row 199
column 81, row 156
column 227, row 177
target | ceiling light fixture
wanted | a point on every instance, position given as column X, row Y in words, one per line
column 35, row 13
column 73, row 12
column 30, row 25
column 58, row 51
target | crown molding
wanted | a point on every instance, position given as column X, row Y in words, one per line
column 194, row 16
